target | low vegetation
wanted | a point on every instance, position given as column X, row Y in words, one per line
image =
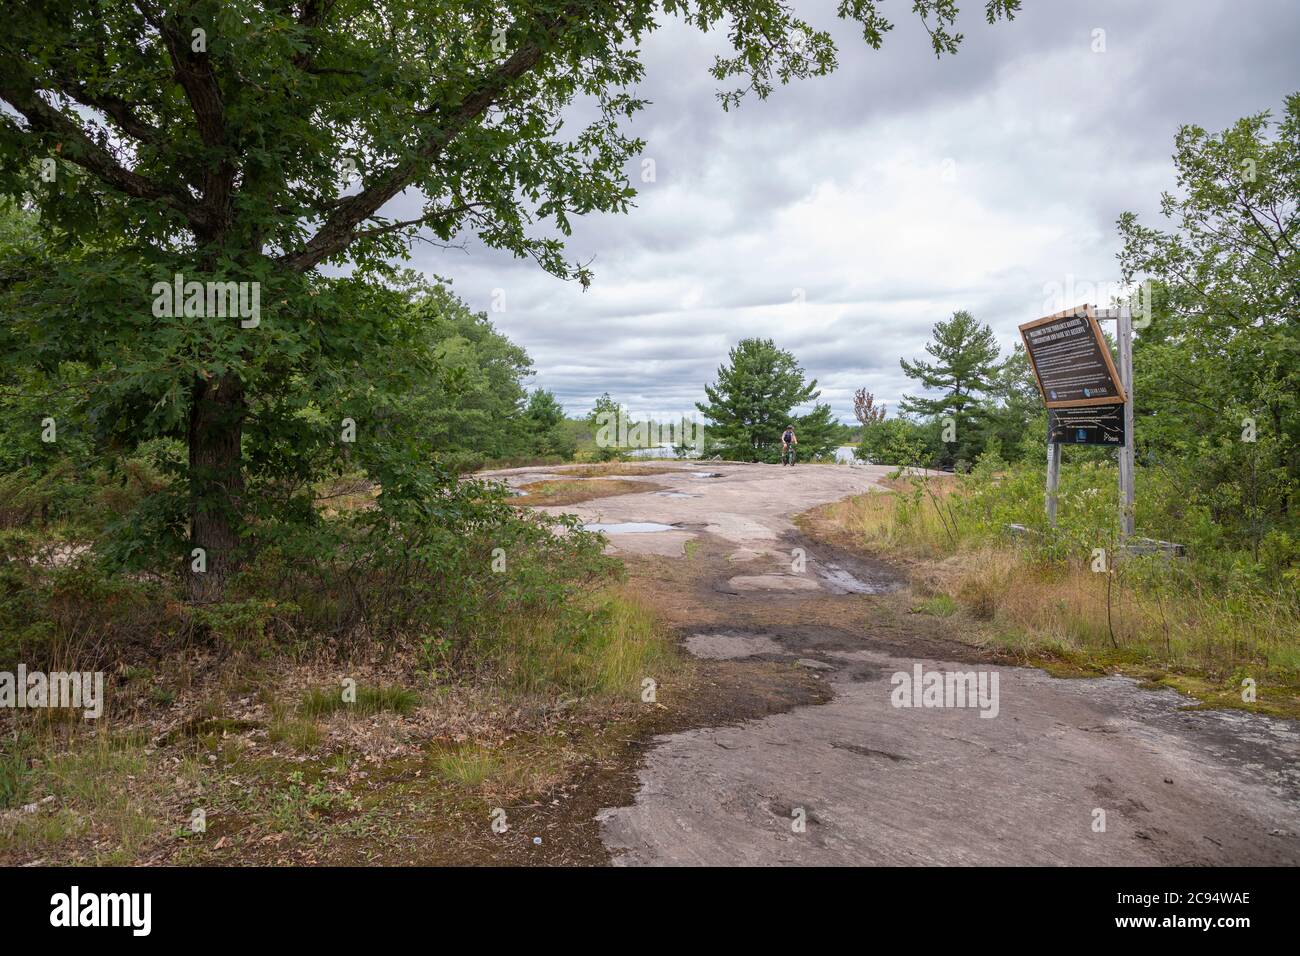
column 282, row 766
column 604, row 647
column 614, row 469
column 360, row 700
column 1215, row 623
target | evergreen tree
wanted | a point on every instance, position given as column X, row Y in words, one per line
column 606, row 418
column 1014, row 415
column 754, row 399
column 545, row 418
column 965, row 367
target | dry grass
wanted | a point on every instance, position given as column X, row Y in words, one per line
column 1131, row 619
column 942, row 484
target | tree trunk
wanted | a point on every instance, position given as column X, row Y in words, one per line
column 216, row 485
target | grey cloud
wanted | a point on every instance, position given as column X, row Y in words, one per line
column 834, row 186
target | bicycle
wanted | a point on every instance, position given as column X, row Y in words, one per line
column 787, row 455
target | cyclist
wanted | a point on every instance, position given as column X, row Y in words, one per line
column 788, row 441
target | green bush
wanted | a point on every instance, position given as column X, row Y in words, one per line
column 435, row 567
column 982, row 505
column 58, row 605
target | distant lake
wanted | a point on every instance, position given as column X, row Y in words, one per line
column 657, row 451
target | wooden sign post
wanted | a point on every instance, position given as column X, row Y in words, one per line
column 1127, row 486
column 1089, row 400
column 1053, row 479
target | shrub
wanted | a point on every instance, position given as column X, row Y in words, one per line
column 58, row 605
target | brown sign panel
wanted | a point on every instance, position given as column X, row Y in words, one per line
column 1071, row 360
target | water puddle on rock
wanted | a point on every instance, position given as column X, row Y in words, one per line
column 706, row 474
column 628, row 527
column 673, row 494
column 840, row 581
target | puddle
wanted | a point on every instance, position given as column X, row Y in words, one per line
column 841, row 581
column 629, row 527
column 705, row 474
column 673, row 494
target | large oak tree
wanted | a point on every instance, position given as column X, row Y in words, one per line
column 257, row 141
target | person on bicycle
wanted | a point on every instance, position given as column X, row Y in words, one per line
column 788, row 441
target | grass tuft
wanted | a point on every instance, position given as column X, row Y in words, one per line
column 941, row 605
column 301, row 735
column 468, row 765
column 320, row 702
column 603, row 647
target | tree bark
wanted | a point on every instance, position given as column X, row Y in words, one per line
column 216, row 485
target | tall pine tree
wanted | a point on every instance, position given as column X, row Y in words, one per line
column 964, row 369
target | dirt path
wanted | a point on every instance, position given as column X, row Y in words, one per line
column 1020, row 776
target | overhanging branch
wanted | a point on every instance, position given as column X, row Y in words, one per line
column 89, row 155
column 339, row 228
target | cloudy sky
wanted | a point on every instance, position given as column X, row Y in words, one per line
column 845, row 215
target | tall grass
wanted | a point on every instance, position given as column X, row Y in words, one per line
column 1211, row 615
column 99, row 792
column 605, row 645
column 15, row 770
column 319, row 701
